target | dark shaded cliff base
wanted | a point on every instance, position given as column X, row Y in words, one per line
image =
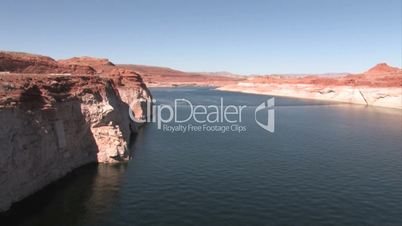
column 76, row 189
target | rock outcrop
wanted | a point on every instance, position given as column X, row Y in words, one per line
column 87, row 61
column 36, row 64
column 383, row 68
column 52, row 123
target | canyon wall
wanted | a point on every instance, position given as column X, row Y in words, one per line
column 52, row 123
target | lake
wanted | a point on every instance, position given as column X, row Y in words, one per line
column 326, row 164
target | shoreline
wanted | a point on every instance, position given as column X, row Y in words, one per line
column 385, row 97
column 369, row 96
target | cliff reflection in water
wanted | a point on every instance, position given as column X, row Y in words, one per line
column 84, row 196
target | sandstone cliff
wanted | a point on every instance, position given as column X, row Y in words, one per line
column 52, row 123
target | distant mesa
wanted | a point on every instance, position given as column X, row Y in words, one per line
column 87, row 61
column 383, row 68
column 154, row 70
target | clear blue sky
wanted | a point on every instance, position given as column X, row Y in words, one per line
column 211, row 35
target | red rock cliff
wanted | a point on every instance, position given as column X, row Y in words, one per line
column 53, row 123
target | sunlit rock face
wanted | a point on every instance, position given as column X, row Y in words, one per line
column 129, row 83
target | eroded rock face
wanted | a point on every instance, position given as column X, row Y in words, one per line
column 130, row 84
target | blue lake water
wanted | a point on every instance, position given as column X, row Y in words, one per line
column 325, row 164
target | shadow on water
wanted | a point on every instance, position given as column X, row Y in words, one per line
column 81, row 197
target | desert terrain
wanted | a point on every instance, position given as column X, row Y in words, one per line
column 81, row 103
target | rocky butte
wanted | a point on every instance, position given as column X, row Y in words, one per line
column 57, row 116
